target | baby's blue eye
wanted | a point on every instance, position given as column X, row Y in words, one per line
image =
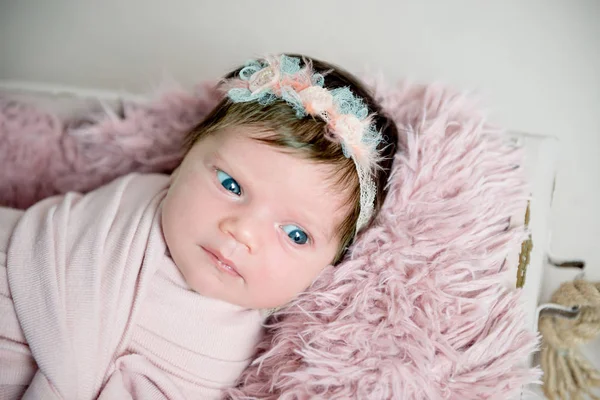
column 229, row 183
column 297, row 235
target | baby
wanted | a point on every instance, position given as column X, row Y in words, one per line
column 158, row 287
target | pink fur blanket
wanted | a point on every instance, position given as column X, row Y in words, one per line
column 425, row 306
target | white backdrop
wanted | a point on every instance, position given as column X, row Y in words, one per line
column 536, row 62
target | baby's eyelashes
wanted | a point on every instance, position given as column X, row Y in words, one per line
column 229, row 183
column 296, row 234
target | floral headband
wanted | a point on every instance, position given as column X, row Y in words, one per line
column 347, row 117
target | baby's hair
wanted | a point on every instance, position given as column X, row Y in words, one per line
column 306, row 137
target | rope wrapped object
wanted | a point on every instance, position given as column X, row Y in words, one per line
column 567, row 373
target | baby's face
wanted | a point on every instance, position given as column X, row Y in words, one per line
column 247, row 223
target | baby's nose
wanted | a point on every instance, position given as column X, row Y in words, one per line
column 242, row 232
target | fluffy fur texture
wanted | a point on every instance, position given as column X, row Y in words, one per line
column 424, row 306
column 42, row 155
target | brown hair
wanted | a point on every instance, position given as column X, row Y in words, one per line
column 306, row 138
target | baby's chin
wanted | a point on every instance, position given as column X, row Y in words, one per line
column 214, row 288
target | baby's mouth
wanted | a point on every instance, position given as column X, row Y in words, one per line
column 227, row 267
column 222, row 263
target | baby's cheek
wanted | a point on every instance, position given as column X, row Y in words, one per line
column 194, row 280
column 282, row 283
column 200, row 279
column 196, row 212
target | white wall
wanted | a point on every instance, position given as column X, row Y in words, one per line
column 537, row 62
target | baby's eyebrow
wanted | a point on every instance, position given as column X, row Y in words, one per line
column 216, row 156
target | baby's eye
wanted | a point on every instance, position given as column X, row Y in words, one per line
column 297, row 235
column 229, row 183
